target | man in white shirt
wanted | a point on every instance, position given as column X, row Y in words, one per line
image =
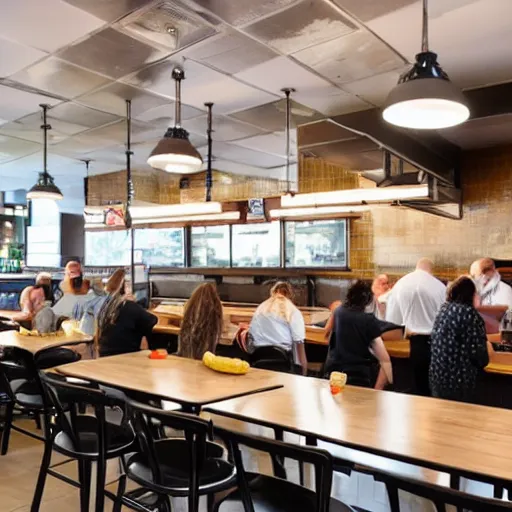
column 414, row 302
column 492, row 290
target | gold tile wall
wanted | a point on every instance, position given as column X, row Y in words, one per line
column 317, row 175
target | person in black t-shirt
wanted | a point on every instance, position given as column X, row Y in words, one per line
column 355, row 343
column 122, row 325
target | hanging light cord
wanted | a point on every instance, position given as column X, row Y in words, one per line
column 424, row 37
column 209, row 131
column 45, row 126
column 129, row 153
column 178, row 75
column 287, row 93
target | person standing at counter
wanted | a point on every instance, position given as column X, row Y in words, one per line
column 277, row 321
column 201, row 327
column 75, row 289
column 380, row 289
column 492, row 290
column 459, row 344
column 414, row 302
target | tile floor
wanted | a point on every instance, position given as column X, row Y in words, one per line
column 19, row 468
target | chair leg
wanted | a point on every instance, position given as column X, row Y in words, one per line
column 43, row 471
column 394, row 500
column 37, row 419
column 100, row 485
column 6, row 433
column 121, row 489
column 84, row 475
column 278, row 462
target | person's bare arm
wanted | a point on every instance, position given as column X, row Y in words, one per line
column 328, row 329
column 301, row 356
column 386, row 371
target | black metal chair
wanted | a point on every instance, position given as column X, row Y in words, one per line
column 438, row 495
column 262, row 493
column 86, row 438
column 189, row 466
column 272, row 358
column 19, row 379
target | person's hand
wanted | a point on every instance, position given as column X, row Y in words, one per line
column 130, row 296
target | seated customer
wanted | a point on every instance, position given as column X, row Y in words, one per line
column 277, row 321
column 123, row 325
column 201, row 326
column 75, row 289
column 355, row 341
column 458, row 344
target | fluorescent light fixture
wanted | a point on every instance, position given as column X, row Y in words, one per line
column 171, row 210
column 313, row 211
column 191, row 218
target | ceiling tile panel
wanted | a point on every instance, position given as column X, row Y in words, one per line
column 367, row 10
column 109, row 10
column 113, row 99
column 374, row 89
column 79, row 114
column 306, row 24
column 163, row 116
column 47, row 25
column 222, row 150
column 11, row 148
column 331, row 101
column 29, row 128
column 111, row 53
column 80, row 145
column 225, row 129
column 271, row 117
column 16, row 56
column 242, row 12
column 274, row 143
column 167, row 25
column 15, row 103
column 353, row 57
column 61, row 78
column 230, row 52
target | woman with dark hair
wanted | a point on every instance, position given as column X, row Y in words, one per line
column 355, row 341
column 201, row 327
column 458, row 344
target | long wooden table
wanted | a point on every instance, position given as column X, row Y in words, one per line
column 469, row 440
column 185, row 381
column 37, row 343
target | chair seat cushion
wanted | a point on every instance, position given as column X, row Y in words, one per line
column 120, row 439
column 173, row 457
column 29, row 401
column 270, row 494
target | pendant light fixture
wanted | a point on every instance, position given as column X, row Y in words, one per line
column 45, row 188
column 174, row 153
column 424, row 98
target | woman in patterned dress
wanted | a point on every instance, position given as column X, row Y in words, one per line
column 459, row 344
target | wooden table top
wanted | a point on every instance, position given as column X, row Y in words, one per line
column 36, row 343
column 177, row 379
column 434, row 433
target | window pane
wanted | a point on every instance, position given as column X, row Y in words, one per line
column 257, row 245
column 320, row 243
column 160, row 247
column 107, row 248
column 210, row 246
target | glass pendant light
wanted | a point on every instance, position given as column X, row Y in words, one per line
column 174, row 153
column 424, row 98
column 45, row 188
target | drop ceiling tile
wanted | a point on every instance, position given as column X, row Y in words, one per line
column 15, row 103
column 305, row 24
column 374, row 89
column 352, row 57
column 74, row 113
column 47, row 25
column 272, row 116
column 163, row 116
column 274, row 143
column 29, row 128
column 116, row 132
column 225, row 129
column 331, row 101
column 16, row 56
column 109, row 10
column 11, row 148
column 242, row 12
column 111, row 53
column 80, row 146
column 368, row 10
column 112, row 98
column 230, row 52
column 109, row 155
column 167, row 25
column 222, row 150
column 58, row 77
column 282, row 72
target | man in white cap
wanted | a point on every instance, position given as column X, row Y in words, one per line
column 414, row 302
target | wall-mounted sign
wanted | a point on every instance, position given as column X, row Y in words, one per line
column 112, row 216
column 256, row 209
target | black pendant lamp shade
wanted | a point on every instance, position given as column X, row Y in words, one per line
column 424, row 97
column 174, row 153
column 45, row 187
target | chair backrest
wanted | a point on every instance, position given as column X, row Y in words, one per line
column 320, row 459
column 272, row 358
column 196, row 432
column 441, row 497
column 15, row 364
column 65, row 396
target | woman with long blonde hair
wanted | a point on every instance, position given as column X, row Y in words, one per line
column 201, row 327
